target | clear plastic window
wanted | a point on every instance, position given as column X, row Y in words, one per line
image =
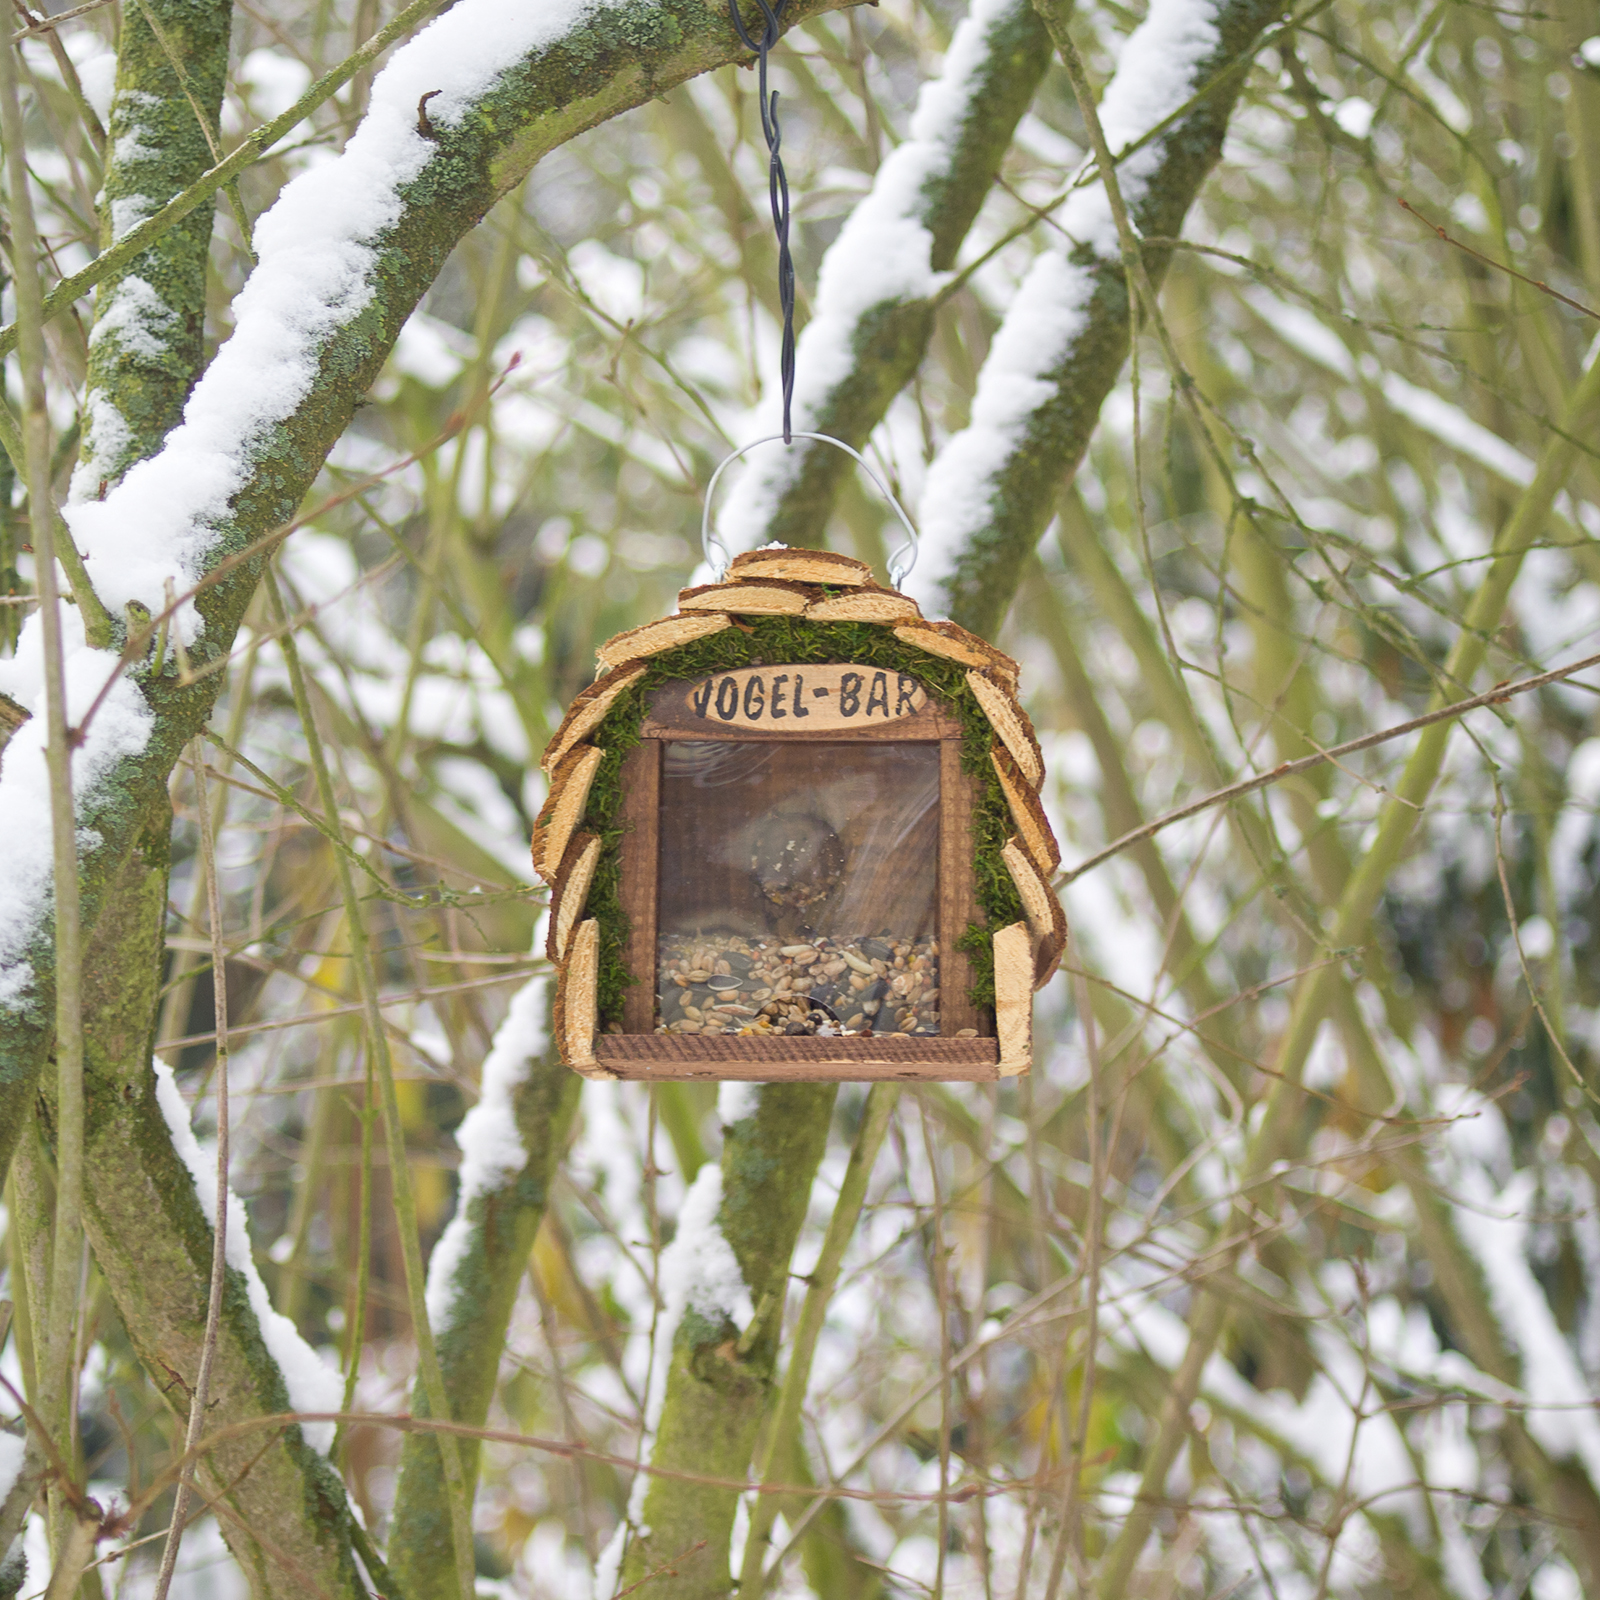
column 799, row 888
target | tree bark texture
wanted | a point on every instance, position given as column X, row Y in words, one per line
column 720, row 1381
column 472, row 1336
column 146, row 347
column 1049, row 448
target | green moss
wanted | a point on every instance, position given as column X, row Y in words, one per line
column 766, row 641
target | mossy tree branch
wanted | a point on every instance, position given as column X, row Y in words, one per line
column 145, row 235
column 1051, row 444
column 615, row 59
column 891, row 337
column 471, row 1336
column 720, row 1380
column 146, row 347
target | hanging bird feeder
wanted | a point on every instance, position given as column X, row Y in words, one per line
column 793, row 831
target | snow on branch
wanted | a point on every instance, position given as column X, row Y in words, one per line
column 160, row 527
column 882, row 258
column 1163, row 63
column 492, row 1151
column 700, row 1274
column 310, row 1385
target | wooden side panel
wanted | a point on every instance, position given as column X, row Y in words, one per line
column 641, row 826
column 957, row 901
column 1013, row 998
column 799, row 1060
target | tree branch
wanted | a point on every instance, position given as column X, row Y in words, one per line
column 923, row 200
column 615, row 58
column 475, row 1273
column 992, row 489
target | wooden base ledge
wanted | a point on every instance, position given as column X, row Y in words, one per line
column 799, row 1060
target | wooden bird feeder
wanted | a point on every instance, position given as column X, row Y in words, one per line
column 793, row 832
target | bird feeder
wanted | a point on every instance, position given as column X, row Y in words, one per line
column 793, row 832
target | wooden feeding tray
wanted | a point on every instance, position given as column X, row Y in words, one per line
column 793, row 833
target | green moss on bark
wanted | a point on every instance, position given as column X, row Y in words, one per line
column 503, row 1224
column 720, row 1380
column 1057, row 433
column 148, row 341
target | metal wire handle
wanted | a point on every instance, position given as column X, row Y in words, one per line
column 777, row 185
column 900, row 563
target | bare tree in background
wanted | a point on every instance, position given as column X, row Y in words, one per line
column 366, row 368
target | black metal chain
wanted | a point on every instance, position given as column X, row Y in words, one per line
column 777, row 185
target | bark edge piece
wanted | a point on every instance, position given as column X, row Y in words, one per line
column 1010, row 721
column 575, row 1013
column 1013, row 998
column 654, row 637
column 1047, row 923
column 769, row 598
column 1033, row 826
column 588, row 711
column 801, row 566
column 563, row 808
column 570, row 893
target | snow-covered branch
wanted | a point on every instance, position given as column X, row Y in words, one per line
column 345, row 254
column 874, row 305
column 991, row 489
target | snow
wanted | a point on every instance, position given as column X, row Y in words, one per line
column 699, row 1273
column 491, row 1146
column 312, row 1386
column 120, row 728
column 881, row 257
column 128, row 211
column 98, row 75
column 138, row 317
column 1561, row 1412
column 105, row 439
column 608, row 1566
column 737, row 1101
column 1048, row 313
column 1155, row 74
column 318, row 250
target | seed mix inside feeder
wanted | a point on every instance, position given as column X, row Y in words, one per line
column 793, row 832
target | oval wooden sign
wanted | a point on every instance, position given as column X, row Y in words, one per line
column 806, row 699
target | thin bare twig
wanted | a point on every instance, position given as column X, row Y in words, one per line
column 219, row 1238
column 1499, row 266
column 50, row 24
column 56, row 1369
column 1335, row 753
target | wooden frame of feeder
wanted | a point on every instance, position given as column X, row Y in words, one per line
column 820, row 587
